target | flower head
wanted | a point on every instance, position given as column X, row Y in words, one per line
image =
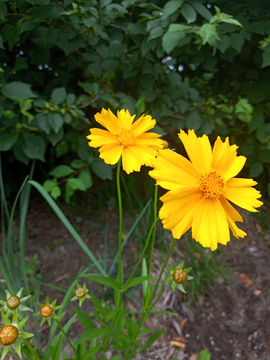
column 81, row 294
column 47, row 311
column 14, row 303
column 178, row 276
column 11, row 334
column 199, row 190
column 125, row 138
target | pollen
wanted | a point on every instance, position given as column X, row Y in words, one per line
column 126, row 138
column 211, row 185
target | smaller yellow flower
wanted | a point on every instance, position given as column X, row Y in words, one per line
column 123, row 138
column 178, row 276
column 47, row 311
column 14, row 303
column 81, row 294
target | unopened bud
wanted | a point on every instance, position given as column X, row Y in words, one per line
column 8, row 335
column 46, row 311
column 80, row 292
column 13, row 302
column 165, row 144
column 179, row 276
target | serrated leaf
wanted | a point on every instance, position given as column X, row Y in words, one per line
column 49, row 185
column 19, row 90
column 170, row 40
column 34, row 146
column 58, row 95
column 76, row 184
column 202, row 10
column 56, row 192
column 170, row 8
column 102, row 170
column 55, row 120
column 77, row 164
column 188, row 12
column 8, row 140
column 86, row 178
column 61, row 171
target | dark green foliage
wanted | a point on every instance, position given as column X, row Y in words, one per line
column 189, row 64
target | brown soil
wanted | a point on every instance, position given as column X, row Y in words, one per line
column 233, row 322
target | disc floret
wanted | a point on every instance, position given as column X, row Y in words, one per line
column 47, row 311
column 178, row 276
column 81, row 293
column 13, row 303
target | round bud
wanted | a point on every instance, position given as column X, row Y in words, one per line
column 179, row 276
column 46, row 310
column 13, row 302
column 8, row 335
column 165, row 144
column 80, row 292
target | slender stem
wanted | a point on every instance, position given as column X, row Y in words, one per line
column 120, row 220
column 33, row 352
column 65, row 335
column 161, row 272
column 145, row 247
column 154, row 232
column 159, row 295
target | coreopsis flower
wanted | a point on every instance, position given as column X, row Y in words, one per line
column 178, row 276
column 200, row 190
column 14, row 303
column 123, row 138
column 80, row 294
column 47, row 311
column 12, row 333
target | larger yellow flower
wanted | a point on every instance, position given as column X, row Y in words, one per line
column 199, row 190
column 125, row 138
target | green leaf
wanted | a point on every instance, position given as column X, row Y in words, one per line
column 49, row 185
column 56, row 192
column 106, row 281
column 256, row 169
column 208, row 34
column 237, row 42
column 8, row 140
column 266, row 57
column 168, row 280
column 86, row 178
column 34, row 147
column 70, row 100
column 29, row 25
column 170, row 40
column 19, row 90
column 188, row 12
column 57, row 349
column 152, row 339
column 55, row 120
column 76, row 184
column 170, row 8
column 84, row 319
column 77, row 164
column 204, row 355
column 202, row 10
column 264, row 156
column 138, row 280
column 102, row 170
column 156, row 32
column 194, row 121
column 54, row 138
column 3, row 11
column 58, row 95
column 61, row 171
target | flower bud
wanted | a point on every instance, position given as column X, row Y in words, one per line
column 165, row 144
column 80, row 292
column 8, row 335
column 13, row 302
column 179, row 276
column 46, row 310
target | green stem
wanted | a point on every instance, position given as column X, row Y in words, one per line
column 65, row 335
column 161, row 272
column 33, row 352
column 145, row 247
column 120, row 221
column 159, row 295
column 154, row 232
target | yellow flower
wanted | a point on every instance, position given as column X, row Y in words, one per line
column 199, row 190
column 125, row 138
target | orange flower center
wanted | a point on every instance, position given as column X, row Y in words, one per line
column 126, row 138
column 211, row 185
column 80, row 292
column 8, row 335
column 46, row 310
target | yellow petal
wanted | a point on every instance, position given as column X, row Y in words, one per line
column 198, row 149
column 224, row 156
column 236, row 167
column 232, row 216
column 130, row 161
column 111, row 153
column 143, row 124
column 150, row 139
column 239, row 182
column 178, row 209
column 107, row 119
column 245, row 197
column 210, row 225
column 172, row 170
column 100, row 137
column 125, row 119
